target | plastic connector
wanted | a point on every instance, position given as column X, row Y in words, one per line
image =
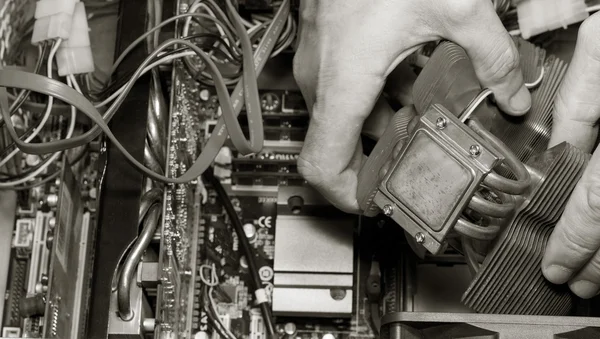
column 53, row 19
column 75, row 55
column 539, row 16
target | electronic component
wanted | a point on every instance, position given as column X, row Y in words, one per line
column 8, row 204
column 537, row 16
column 74, row 56
column 53, row 19
column 69, row 273
column 421, row 195
column 313, row 257
column 322, row 273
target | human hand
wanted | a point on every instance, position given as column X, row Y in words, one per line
column 572, row 253
column 348, row 48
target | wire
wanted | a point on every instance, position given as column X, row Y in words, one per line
column 191, row 37
column 162, row 61
column 65, row 93
column 252, row 99
column 50, row 159
column 213, row 316
column 49, row 177
column 46, row 115
column 142, row 37
column 245, row 244
column 198, row 4
column 472, row 106
column 537, row 81
column 24, row 95
column 218, row 319
column 214, row 278
column 13, row 78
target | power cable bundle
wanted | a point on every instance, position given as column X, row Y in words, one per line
column 245, row 92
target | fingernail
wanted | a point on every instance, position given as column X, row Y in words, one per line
column 520, row 103
column 557, row 274
column 584, row 288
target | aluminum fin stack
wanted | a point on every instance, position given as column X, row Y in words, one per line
column 510, row 280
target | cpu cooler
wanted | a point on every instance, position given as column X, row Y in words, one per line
column 456, row 171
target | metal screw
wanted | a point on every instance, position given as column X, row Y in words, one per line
column 475, row 150
column 388, row 210
column 440, row 123
column 420, row 238
column 183, row 8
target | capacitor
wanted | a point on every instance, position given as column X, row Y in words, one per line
column 93, row 193
column 32, row 160
column 149, row 325
column 32, row 306
column 290, row 329
column 52, row 200
column 270, row 102
column 244, row 264
column 250, row 231
column 295, row 204
column 328, row 336
column 204, row 95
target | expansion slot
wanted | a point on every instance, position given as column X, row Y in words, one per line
column 39, row 252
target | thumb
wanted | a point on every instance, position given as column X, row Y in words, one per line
column 577, row 235
column 577, row 105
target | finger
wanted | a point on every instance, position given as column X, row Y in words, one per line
column 378, row 120
column 329, row 159
column 586, row 283
column 577, row 105
column 475, row 26
column 577, row 235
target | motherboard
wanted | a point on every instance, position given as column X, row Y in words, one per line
column 201, row 261
column 47, row 253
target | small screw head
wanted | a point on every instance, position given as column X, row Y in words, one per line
column 420, row 238
column 475, row 150
column 388, row 210
column 440, row 123
column 183, row 8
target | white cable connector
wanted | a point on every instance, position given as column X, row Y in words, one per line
column 53, row 19
column 75, row 55
column 539, row 16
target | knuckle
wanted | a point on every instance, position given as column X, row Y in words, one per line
column 593, row 268
column 576, row 244
column 458, row 12
column 299, row 72
column 313, row 174
column 590, row 27
column 592, row 204
column 500, row 66
column 588, row 34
